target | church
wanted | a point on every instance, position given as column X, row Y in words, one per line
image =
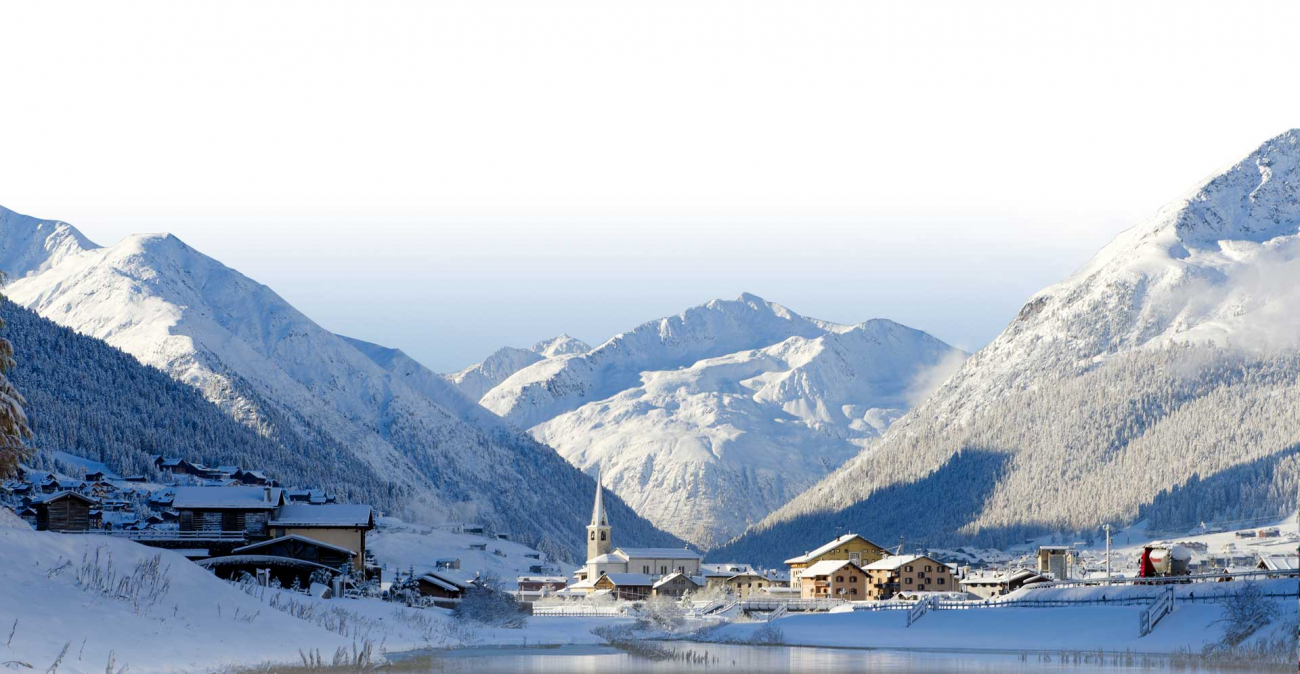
column 628, row 573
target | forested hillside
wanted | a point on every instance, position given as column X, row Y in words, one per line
column 1175, row 436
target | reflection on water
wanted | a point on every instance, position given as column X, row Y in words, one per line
column 700, row 658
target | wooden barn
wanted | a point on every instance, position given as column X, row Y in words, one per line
column 302, row 548
column 63, row 511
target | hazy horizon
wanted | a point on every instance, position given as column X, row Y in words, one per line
column 450, row 180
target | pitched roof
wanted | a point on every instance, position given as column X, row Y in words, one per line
column 449, row 584
column 295, row 537
column 826, row 567
column 325, row 515
column 894, row 561
column 58, row 495
column 227, row 497
column 659, row 553
column 1280, row 562
column 697, row 581
column 630, row 579
column 809, row 556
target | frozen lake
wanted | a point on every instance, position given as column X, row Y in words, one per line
column 696, row 657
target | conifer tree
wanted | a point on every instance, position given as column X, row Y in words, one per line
column 14, row 431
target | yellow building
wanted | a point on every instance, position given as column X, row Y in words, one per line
column 743, row 585
column 338, row 524
column 833, row 579
column 849, row 547
column 907, row 574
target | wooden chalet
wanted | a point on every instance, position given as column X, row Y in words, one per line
column 227, row 509
column 626, row 586
column 439, row 586
column 63, row 511
column 338, row 524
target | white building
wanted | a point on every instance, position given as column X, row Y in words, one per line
column 604, row 559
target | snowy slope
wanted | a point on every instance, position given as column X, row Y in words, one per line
column 1160, row 378
column 245, row 348
column 476, row 380
column 706, row 450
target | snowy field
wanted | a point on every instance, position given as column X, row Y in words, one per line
column 399, row 546
column 1087, row 628
column 184, row 619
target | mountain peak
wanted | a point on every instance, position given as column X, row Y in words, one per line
column 29, row 245
column 1256, row 199
column 560, row 345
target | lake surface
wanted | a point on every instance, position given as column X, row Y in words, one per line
column 697, row 658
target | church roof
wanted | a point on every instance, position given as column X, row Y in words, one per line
column 598, row 517
column 658, row 553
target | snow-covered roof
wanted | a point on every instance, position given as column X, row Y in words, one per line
column 826, row 567
column 608, row 558
column 631, row 579
column 727, row 569
column 443, row 582
column 325, row 515
column 892, row 562
column 659, row 553
column 1000, row 578
column 300, row 539
column 267, row 560
column 227, row 497
column 62, row 494
column 540, row 579
column 1280, row 562
column 809, row 556
column 697, row 581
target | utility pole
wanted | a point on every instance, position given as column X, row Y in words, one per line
column 1107, row 528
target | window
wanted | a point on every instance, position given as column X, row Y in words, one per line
column 907, row 581
column 921, row 589
column 839, row 579
column 645, row 569
column 941, row 580
column 853, row 591
column 853, row 579
column 927, row 567
column 602, row 535
column 593, row 535
column 663, row 569
column 909, row 568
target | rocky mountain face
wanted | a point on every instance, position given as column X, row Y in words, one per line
column 1163, row 373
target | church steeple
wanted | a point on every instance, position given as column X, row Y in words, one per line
column 598, row 532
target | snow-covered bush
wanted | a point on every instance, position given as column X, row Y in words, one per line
column 1245, row 612
column 484, row 602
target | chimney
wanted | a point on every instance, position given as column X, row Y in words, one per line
column 266, row 494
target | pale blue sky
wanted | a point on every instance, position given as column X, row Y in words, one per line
column 448, row 179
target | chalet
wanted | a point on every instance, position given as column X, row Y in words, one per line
column 253, row 477
column 63, row 511
column 28, row 515
column 1278, row 563
column 849, row 547
column 440, row 587
column 342, row 525
column 229, row 509
column 446, row 563
column 626, row 586
column 300, row 547
column 743, row 585
column 908, row 573
column 180, row 467
column 677, row 584
column 997, row 585
column 833, row 579
column 478, row 546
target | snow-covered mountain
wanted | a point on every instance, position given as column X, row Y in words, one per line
column 706, row 421
column 476, row 380
column 245, row 348
column 1162, row 372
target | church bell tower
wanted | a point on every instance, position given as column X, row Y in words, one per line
column 598, row 532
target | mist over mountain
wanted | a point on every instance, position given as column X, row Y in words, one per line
column 1157, row 382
